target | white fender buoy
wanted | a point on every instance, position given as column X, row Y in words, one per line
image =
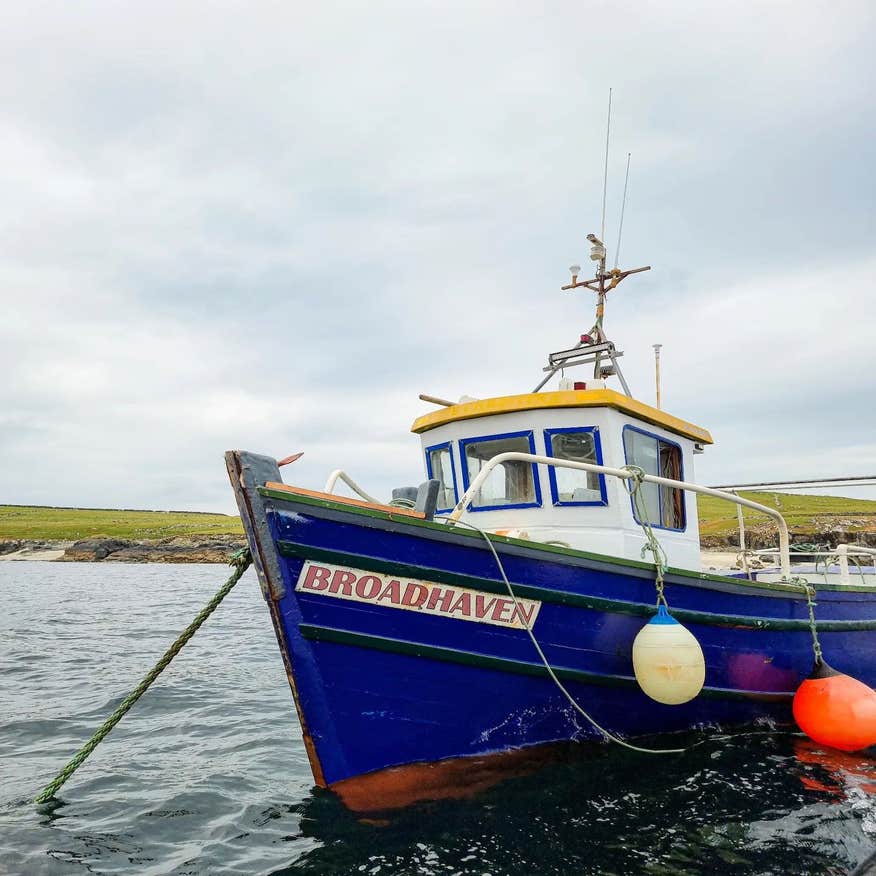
column 668, row 660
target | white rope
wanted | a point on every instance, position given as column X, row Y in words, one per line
column 547, row 665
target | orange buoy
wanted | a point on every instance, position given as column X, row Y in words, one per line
column 835, row 709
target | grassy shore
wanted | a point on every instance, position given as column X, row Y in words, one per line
column 29, row 523
column 807, row 516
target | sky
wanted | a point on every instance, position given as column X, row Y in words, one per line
column 270, row 226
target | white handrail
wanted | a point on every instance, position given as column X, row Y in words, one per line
column 849, row 549
column 842, row 551
column 625, row 474
column 841, row 554
column 740, row 519
column 340, row 474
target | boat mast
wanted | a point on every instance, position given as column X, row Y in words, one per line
column 594, row 346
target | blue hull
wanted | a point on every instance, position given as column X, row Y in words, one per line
column 378, row 686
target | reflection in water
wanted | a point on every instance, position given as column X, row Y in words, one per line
column 207, row 775
column 840, row 773
column 734, row 804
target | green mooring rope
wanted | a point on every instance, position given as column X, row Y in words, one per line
column 241, row 561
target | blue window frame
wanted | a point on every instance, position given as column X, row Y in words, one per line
column 438, row 466
column 655, row 454
column 568, row 486
column 511, row 485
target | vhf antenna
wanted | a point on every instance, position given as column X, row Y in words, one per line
column 594, row 345
column 620, row 229
column 605, row 175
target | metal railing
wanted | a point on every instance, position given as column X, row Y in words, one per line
column 842, row 554
column 626, row 475
column 844, row 551
column 340, row 475
column 621, row 473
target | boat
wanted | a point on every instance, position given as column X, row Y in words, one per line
column 476, row 623
column 840, row 565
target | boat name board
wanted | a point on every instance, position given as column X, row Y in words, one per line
column 407, row 594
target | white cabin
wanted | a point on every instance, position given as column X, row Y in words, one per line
column 584, row 510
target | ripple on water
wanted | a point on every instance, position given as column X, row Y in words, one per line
column 208, row 774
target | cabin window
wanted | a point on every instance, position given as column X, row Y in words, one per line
column 664, row 506
column 571, row 486
column 513, row 484
column 439, row 465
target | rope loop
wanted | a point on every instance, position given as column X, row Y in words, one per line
column 636, row 479
column 240, row 558
column 401, row 502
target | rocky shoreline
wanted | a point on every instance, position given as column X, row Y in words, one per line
column 200, row 549
column 764, row 536
column 217, row 548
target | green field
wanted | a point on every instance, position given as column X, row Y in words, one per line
column 806, row 515
column 25, row 522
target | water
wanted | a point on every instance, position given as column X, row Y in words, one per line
column 207, row 774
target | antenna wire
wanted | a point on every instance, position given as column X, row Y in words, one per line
column 605, row 176
column 620, row 229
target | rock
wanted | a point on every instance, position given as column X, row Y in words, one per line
column 200, row 549
column 90, row 550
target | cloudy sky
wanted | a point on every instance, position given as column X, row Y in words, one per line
column 272, row 225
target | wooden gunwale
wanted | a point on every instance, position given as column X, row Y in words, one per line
column 345, row 500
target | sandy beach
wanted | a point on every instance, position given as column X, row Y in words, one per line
column 49, row 552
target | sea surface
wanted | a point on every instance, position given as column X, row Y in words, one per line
column 208, row 775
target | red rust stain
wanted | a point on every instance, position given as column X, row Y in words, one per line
column 454, row 778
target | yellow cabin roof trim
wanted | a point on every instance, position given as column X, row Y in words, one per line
column 575, row 398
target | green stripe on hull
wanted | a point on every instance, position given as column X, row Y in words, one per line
column 503, row 664
column 549, row 549
column 559, row 597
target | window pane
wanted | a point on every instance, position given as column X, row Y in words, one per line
column 442, row 471
column 671, row 500
column 642, row 450
column 572, row 485
column 663, row 505
column 649, row 503
column 508, row 484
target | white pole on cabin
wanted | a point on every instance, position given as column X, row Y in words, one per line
column 657, row 371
